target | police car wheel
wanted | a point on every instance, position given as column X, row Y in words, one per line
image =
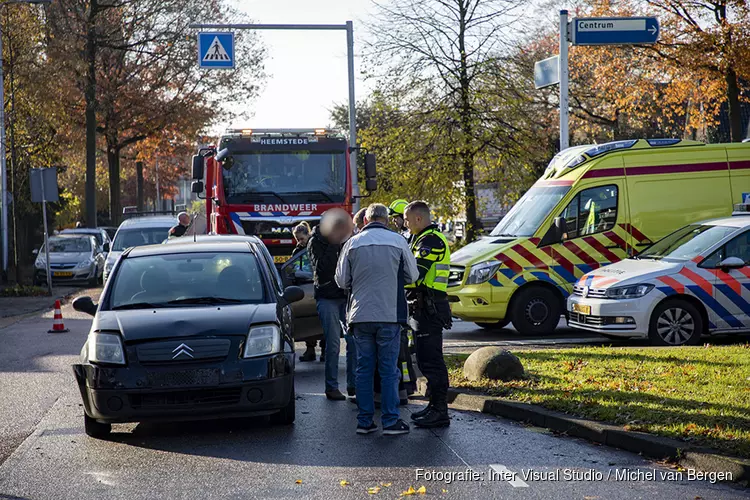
column 536, row 311
column 493, row 326
column 286, row 415
column 96, row 429
column 675, row 323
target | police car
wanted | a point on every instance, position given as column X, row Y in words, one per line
column 694, row 281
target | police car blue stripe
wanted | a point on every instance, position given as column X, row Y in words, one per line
column 712, row 303
column 735, row 298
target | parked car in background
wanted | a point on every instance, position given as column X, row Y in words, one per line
column 102, row 237
column 111, row 231
column 692, row 282
column 136, row 232
column 188, row 331
column 297, row 271
column 73, row 258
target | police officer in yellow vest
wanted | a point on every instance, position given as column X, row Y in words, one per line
column 429, row 310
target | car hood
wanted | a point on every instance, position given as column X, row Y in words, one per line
column 152, row 324
column 68, row 257
column 481, row 250
column 629, row 272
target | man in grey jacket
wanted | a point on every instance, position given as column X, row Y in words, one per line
column 374, row 267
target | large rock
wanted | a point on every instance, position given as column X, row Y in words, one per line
column 494, row 363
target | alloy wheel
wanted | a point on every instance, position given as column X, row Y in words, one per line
column 675, row 326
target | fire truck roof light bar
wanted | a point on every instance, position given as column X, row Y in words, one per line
column 281, row 131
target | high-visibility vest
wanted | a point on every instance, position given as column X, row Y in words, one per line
column 437, row 276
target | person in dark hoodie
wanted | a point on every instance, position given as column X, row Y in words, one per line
column 323, row 249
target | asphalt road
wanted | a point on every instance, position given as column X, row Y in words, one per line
column 44, row 453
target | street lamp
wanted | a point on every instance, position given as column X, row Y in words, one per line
column 4, row 202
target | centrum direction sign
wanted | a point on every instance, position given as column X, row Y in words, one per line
column 614, row 30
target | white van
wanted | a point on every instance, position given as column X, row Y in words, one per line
column 136, row 232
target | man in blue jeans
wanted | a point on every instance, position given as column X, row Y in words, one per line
column 323, row 249
column 374, row 267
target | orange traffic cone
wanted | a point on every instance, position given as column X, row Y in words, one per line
column 58, row 326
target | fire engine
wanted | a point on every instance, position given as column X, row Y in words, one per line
column 263, row 182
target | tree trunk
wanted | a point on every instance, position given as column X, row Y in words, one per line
column 466, row 154
column 90, row 95
column 139, row 185
column 113, row 162
column 733, row 101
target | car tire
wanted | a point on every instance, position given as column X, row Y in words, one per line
column 674, row 323
column 536, row 310
column 286, row 415
column 493, row 326
column 96, row 429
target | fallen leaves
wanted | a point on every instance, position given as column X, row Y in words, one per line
column 373, row 490
column 344, row 482
column 411, row 491
column 298, row 481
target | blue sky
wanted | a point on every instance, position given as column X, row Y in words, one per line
column 307, row 69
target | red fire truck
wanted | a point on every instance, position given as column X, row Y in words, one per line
column 264, row 182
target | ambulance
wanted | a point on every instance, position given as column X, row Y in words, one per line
column 593, row 206
column 695, row 281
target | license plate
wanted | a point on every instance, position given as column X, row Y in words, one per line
column 204, row 376
column 582, row 309
column 62, row 274
column 280, row 259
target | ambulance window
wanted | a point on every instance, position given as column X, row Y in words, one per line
column 591, row 211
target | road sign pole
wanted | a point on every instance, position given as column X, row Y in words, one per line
column 564, row 133
column 46, row 237
column 352, row 115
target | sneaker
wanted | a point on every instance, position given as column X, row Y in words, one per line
column 309, row 355
column 367, row 430
column 400, row 427
column 335, row 395
column 421, row 413
column 434, row 418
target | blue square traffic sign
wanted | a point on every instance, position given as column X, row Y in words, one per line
column 216, row 50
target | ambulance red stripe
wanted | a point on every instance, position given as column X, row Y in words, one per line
column 615, row 238
column 597, row 245
column 557, row 257
column 581, row 254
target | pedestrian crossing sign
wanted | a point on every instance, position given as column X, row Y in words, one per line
column 216, row 50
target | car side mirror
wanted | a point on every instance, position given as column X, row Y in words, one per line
column 222, row 155
column 370, row 170
column 35, row 251
column 293, row 294
column 731, row 263
column 85, row 305
column 561, row 228
column 197, row 167
column 105, row 247
column 371, row 184
column 196, row 187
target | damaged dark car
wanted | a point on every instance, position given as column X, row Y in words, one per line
column 188, row 331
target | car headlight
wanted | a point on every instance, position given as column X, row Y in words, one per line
column 262, row 341
column 84, row 263
column 106, row 348
column 482, row 272
column 629, row 292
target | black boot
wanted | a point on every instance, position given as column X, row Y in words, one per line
column 434, row 418
column 309, row 354
column 421, row 413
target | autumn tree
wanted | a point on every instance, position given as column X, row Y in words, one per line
column 436, row 51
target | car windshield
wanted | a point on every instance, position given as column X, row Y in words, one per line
column 187, row 279
column 286, row 177
column 686, row 243
column 529, row 212
column 68, row 245
column 137, row 237
column 95, row 234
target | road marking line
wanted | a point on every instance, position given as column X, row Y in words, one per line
column 504, row 471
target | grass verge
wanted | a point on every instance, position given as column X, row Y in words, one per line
column 23, row 291
column 698, row 394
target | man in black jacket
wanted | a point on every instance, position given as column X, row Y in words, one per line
column 324, row 251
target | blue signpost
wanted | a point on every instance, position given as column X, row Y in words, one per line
column 216, row 50
column 614, row 31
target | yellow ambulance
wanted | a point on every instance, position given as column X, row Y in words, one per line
column 594, row 205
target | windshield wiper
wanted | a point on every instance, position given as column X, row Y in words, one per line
column 205, row 300
column 137, row 305
column 282, row 200
column 321, row 193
